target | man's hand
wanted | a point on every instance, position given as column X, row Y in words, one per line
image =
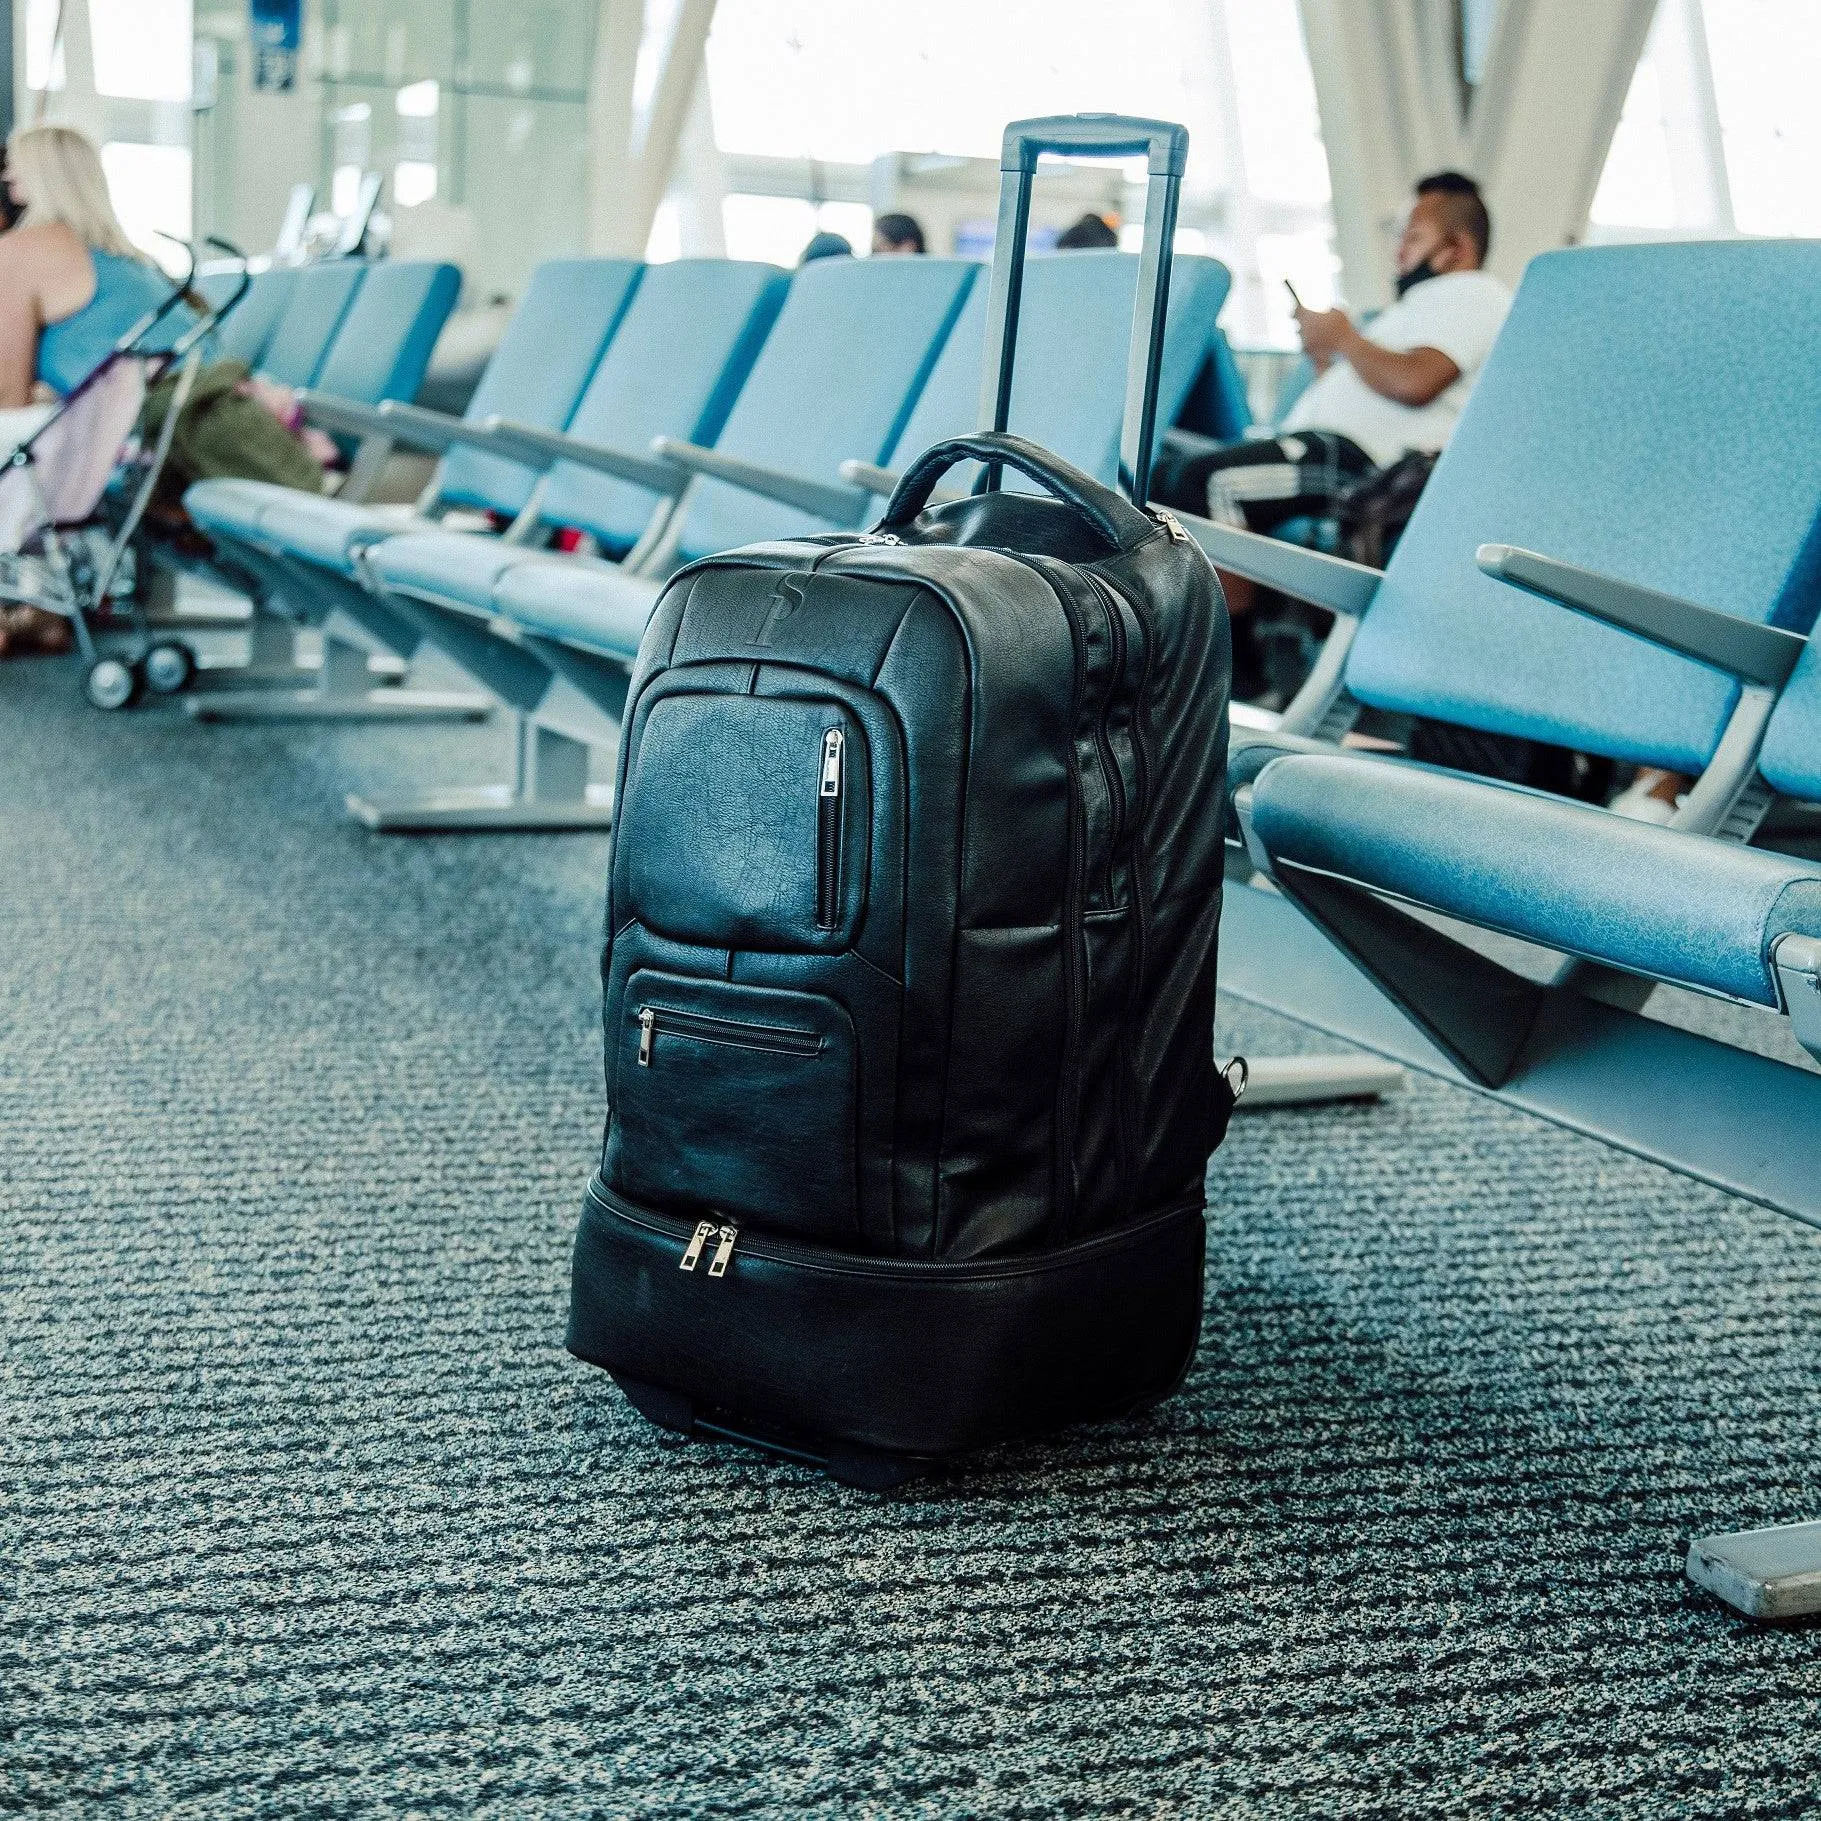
column 1324, row 333
column 1410, row 378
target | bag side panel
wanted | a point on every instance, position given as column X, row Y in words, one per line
column 1179, row 859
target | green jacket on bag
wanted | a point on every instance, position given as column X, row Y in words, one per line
column 221, row 433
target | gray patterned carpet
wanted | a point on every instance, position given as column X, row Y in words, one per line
column 307, row 1512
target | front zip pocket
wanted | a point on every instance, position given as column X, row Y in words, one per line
column 831, row 791
column 745, row 823
column 737, row 1102
column 737, row 1033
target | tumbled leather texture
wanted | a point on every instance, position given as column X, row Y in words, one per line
column 1665, row 456
column 1677, row 907
column 1023, row 935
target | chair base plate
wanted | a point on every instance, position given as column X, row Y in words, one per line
column 1300, row 1081
column 320, row 705
column 1765, row 1574
column 488, row 809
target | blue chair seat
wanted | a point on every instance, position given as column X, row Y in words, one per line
column 327, row 531
column 450, row 565
column 1676, row 907
column 229, row 508
column 589, row 604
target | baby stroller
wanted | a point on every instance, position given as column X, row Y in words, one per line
column 73, row 492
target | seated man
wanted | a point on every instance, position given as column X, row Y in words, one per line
column 1395, row 386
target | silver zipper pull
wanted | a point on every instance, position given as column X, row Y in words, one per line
column 880, row 537
column 832, row 743
column 1177, row 534
column 648, row 1030
column 723, row 1253
column 692, row 1253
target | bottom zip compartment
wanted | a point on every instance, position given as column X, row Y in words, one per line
column 899, row 1356
column 737, row 1101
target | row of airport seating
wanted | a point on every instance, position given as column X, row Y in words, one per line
column 357, row 329
column 1620, row 552
column 777, row 406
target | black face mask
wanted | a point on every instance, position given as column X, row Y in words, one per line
column 1415, row 276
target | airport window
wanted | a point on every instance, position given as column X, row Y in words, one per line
column 1719, row 133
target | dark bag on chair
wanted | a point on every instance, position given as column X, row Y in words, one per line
column 912, row 919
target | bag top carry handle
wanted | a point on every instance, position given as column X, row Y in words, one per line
column 1122, row 524
column 1165, row 146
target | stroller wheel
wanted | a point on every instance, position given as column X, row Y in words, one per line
column 167, row 667
column 110, row 683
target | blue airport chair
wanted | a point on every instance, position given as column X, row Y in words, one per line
column 301, row 549
column 765, row 479
column 249, row 325
column 589, row 622
column 676, row 363
column 1680, row 567
column 1650, row 563
column 320, row 296
column 1074, row 305
column 384, row 342
column 1626, row 906
column 1219, row 404
column 857, row 338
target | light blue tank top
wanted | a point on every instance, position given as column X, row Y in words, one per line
column 125, row 290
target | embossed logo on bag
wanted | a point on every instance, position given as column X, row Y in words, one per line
column 785, row 599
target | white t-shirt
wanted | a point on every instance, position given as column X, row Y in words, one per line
column 1459, row 314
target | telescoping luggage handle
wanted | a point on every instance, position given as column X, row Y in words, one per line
column 1165, row 147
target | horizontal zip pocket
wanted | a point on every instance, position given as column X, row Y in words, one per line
column 737, row 1101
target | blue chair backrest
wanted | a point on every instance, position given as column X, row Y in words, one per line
column 1218, row 404
column 1068, row 375
column 674, row 368
column 384, row 342
column 250, row 323
column 553, row 343
column 836, row 379
column 1791, row 758
column 1648, row 411
column 320, row 298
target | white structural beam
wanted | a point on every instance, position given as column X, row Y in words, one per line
column 631, row 157
column 1554, row 84
column 681, row 74
column 1389, row 86
column 618, row 27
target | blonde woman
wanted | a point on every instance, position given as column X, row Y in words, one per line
column 71, row 284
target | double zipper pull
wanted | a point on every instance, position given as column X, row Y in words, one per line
column 692, row 1253
column 723, row 1253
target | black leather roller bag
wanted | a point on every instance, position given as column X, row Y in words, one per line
column 909, row 977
